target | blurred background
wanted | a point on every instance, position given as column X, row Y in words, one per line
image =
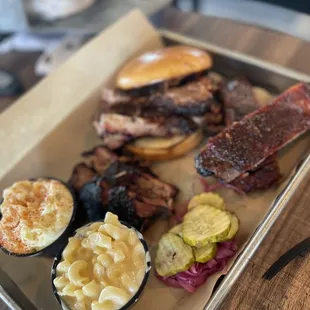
column 91, row 15
column 51, row 30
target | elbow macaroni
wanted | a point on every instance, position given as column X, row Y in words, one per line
column 102, row 266
column 34, row 215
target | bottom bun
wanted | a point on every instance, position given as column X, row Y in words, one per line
column 148, row 148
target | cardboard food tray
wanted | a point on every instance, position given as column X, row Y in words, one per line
column 44, row 133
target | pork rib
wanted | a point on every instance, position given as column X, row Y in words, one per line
column 267, row 174
column 246, row 144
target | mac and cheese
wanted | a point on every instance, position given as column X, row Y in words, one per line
column 102, row 266
column 34, row 214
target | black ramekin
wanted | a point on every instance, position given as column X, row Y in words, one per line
column 134, row 298
column 54, row 247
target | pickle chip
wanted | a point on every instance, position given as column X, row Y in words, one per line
column 206, row 253
column 177, row 230
column 211, row 199
column 233, row 228
column 205, row 224
column 173, row 255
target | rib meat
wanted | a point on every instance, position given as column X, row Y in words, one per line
column 246, row 144
column 267, row 174
column 239, row 100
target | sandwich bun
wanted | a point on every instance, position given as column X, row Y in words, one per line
column 163, row 64
column 153, row 148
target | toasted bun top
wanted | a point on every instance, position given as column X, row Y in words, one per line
column 162, row 64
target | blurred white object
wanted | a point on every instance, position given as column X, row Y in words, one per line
column 89, row 16
column 53, row 9
column 28, row 43
column 56, row 49
column 51, row 59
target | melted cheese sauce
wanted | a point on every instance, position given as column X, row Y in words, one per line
column 34, row 215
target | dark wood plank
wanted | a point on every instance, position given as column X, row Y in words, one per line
column 262, row 43
column 291, row 288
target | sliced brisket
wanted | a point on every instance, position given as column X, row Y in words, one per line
column 147, row 188
column 112, row 97
column 111, row 124
column 246, row 144
column 192, row 99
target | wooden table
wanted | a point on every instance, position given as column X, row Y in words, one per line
column 291, row 288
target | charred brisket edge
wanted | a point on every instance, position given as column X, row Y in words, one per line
column 116, row 167
column 167, row 106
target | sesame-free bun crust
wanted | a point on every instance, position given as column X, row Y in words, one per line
column 161, row 65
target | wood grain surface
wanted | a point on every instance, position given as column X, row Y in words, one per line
column 291, row 288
